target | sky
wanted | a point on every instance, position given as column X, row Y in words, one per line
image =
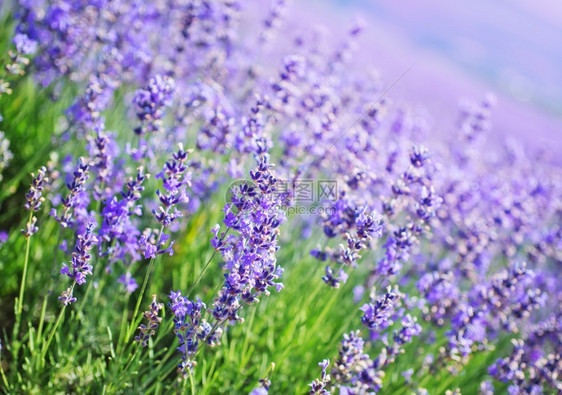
column 463, row 50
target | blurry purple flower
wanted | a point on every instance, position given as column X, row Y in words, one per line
column 129, row 282
column 24, row 45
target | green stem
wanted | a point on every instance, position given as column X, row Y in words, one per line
column 143, row 288
column 19, row 305
column 139, row 300
column 42, row 318
column 123, row 326
column 191, row 382
column 201, row 274
column 206, row 266
column 129, row 363
column 24, row 274
column 54, row 329
column 4, row 379
column 46, row 297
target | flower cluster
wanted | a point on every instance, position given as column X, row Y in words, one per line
column 254, row 213
column 34, row 199
column 190, row 329
column 151, row 102
column 117, row 226
column 359, row 226
column 17, row 60
column 377, row 314
column 153, row 320
column 175, row 179
column 318, row 386
column 80, row 265
column 72, row 200
column 354, row 370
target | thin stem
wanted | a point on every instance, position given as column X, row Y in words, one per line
column 139, row 299
column 201, row 274
column 42, row 318
column 191, row 382
column 19, row 302
column 132, row 359
column 143, row 288
column 123, row 326
column 24, row 274
column 54, row 329
column 4, row 379
column 46, row 298
column 206, row 266
column 23, row 278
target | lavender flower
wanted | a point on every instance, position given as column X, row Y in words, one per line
column 117, row 225
column 151, row 102
column 80, row 265
column 345, row 218
column 263, row 388
column 190, row 329
column 401, row 337
column 377, row 314
column 175, row 179
column 24, row 44
column 128, row 282
column 34, row 199
column 153, row 320
column 3, row 237
column 255, row 215
column 318, row 386
column 75, row 187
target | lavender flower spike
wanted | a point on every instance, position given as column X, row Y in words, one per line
column 80, row 177
column 80, row 265
column 190, row 329
column 151, row 102
column 318, row 386
column 34, row 199
column 174, row 179
column 376, row 315
column 153, row 321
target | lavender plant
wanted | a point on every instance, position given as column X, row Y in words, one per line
column 456, row 240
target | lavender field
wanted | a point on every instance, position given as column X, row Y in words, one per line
column 275, row 197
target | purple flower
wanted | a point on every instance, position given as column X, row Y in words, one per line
column 263, row 388
column 345, row 218
column 24, row 45
column 376, row 315
column 153, row 320
column 318, row 386
column 117, row 219
column 80, row 265
column 129, row 282
column 175, row 179
column 151, row 102
column 72, row 200
column 34, row 197
column 190, row 329
column 254, row 214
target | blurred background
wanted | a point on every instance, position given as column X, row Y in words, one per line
column 463, row 50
